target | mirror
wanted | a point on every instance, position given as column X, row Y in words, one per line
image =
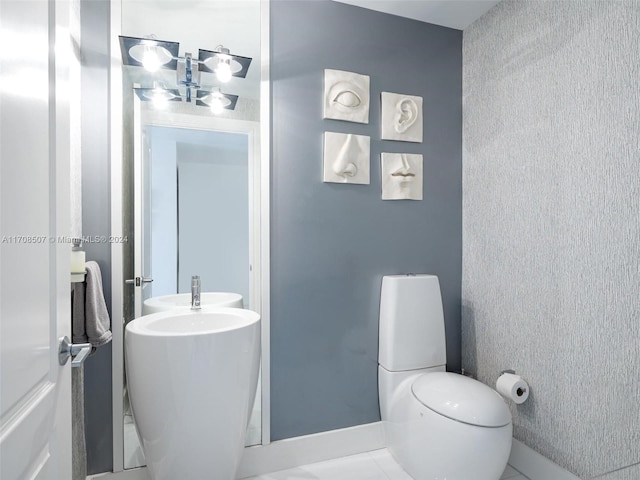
column 191, row 175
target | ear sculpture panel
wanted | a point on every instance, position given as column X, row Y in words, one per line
column 346, row 96
column 401, row 117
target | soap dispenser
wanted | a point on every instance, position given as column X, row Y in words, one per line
column 78, row 258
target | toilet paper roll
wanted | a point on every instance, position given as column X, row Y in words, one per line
column 512, row 387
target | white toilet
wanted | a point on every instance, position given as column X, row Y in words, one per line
column 438, row 425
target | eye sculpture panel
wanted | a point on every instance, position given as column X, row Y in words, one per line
column 346, row 96
column 345, row 99
column 346, row 158
column 401, row 117
column 401, row 176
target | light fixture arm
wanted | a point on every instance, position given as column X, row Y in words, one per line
column 188, row 81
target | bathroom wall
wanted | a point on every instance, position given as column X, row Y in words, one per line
column 332, row 243
column 551, row 234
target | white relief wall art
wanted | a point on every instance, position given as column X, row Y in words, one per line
column 346, row 158
column 346, row 96
column 401, row 176
column 401, row 117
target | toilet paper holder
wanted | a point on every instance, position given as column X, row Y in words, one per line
column 522, row 391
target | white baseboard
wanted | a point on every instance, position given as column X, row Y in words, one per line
column 530, row 463
column 140, row 473
column 318, row 447
column 289, row 453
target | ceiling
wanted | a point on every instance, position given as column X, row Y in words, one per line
column 458, row 14
column 236, row 25
column 199, row 24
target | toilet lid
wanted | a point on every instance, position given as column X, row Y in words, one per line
column 461, row 398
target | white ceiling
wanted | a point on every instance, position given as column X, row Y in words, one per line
column 199, row 24
column 458, row 14
column 236, row 25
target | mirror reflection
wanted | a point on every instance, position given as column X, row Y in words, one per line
column 191, row 136
column 191, row 175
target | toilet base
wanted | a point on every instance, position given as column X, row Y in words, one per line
column 430, row 446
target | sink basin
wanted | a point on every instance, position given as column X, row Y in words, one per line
column 192, row 322
column 183, row 301
column 192, row 376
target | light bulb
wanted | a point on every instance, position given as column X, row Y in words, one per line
column 216, row 103
column 160, row 102
column 150, row 54
column 151, row 60
column 223, row 70
column 159, row 96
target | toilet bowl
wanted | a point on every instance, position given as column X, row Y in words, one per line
column 438, row 425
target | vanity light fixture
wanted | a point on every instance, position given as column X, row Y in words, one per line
column 223, row 64
column 217, row 100
column 150, row 53
column 159, row 95
column 154, row 54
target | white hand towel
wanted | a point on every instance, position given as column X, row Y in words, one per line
column 91, row 322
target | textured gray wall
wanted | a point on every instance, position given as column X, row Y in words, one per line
column 331, row 244
column 551, row 210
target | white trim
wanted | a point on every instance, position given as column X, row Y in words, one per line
column 64, row 27
column 117, row 279
column 137, row 205
column 530, row 463
column 290, row 453
column 140, row 473
column 318, row 447
column 198, row 122
column 265, row 220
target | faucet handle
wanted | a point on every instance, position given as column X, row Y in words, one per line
column 195, row 292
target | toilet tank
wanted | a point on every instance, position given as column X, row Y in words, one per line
column 411, row 323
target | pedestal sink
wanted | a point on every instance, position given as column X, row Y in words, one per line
column 192, row 379
column 207, row 299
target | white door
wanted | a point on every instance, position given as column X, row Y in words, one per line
column 35, row 391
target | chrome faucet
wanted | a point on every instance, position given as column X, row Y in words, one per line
column 195, row 292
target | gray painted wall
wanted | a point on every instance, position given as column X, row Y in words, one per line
column 332, row 243
column 96, row 219
column 551, row 232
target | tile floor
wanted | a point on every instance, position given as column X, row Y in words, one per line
column 376, row 465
